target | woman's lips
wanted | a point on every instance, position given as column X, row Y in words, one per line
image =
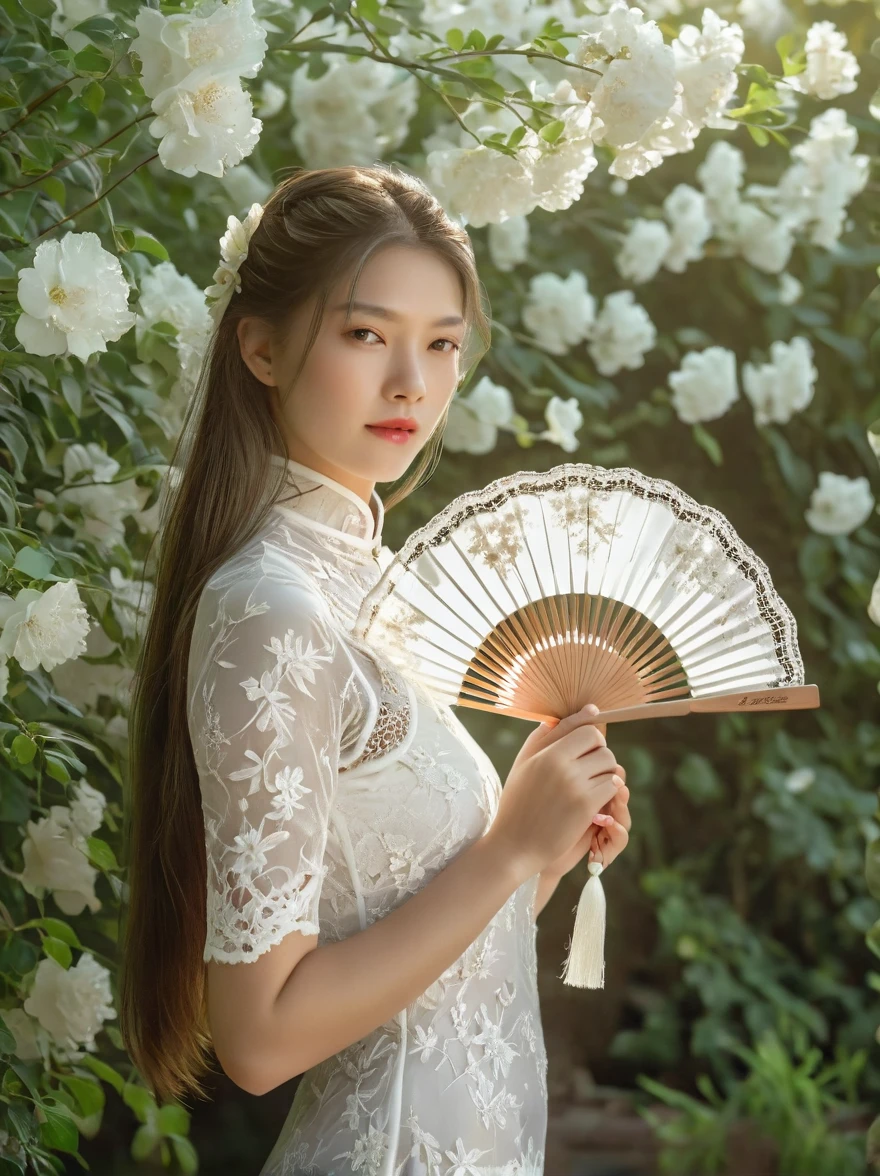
column 397, row 436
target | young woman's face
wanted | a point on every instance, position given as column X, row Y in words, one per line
column 398, row 356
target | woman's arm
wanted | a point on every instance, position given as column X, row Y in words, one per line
column 339, row 992
column 547, row 883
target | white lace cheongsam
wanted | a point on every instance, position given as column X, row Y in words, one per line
column 333, row 789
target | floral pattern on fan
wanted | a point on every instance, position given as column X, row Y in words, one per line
column 546, row 590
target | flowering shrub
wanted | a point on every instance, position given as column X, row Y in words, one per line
column 672, row 211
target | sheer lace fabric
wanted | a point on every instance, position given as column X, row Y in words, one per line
column 333, row 788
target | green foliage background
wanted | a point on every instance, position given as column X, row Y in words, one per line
column 743, row 918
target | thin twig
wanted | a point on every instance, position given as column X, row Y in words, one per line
column 97, row 199
column 67, row 162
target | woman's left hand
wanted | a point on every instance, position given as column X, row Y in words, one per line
column 605, row 837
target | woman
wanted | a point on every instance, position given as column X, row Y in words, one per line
column 364, row 911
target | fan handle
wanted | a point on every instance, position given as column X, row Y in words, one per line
column 779, row 698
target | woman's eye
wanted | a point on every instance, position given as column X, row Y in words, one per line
column 369, row 331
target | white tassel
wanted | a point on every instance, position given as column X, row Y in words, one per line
column 585, row 966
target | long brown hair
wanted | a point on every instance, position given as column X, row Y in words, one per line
column 317, row 226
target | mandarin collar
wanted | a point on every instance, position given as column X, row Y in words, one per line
column 326, row 505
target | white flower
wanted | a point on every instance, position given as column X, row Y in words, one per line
column 481, row 186
column 509, row 242
column 559, row 169
column 874, row 603
column 839, row 504
column 245, row 186
column 87, row 808
column 74, row 298
column 643, row 250
column 357, row 111
column 824, row 175
column 492, row 403
column 272, row 99
column 172, row 297
column 130, row 601
column 213, row 39
column 233, row 250
column 104, row 506
column 81, row 683
column 192, row 63
column 474, row 420
column 638, row 85
column 790, row 289
column 43, row 628
column 563, row 418
column 831, row 68
column 73, row 12
column 762, row 240
column 71, row 1003
column 686, row 210
column 721, row 176
column 205, row 125
column 783, row 386
column 559, row 312
column 55, row 856
column 705, row 64
column 705, row 386
column 800, row 779
column 31, row 1039
column 766, row 19
column 621, row 334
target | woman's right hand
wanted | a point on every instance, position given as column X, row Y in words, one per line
column 560, row 779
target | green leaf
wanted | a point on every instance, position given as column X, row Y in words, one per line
column 15, row 443
column 187, row 1156
column 872, row 868
column 34, row 562
column 104, row 1072
column 91, row 62
column 58, row 950
column 16, row 209
column 551, row 131
column 455, row 39
column 57, row 769
column 24, row 749
column 174, row 1119
column 147, row 243
column 89, row 1095
column 797, row 473
column 92, row 97
column 696, row 777
column 758, row 134
column 57, row 928
column 707, row 442
column 367, row 10
column 101, row 855
column 59, row 1131
column 475, row 40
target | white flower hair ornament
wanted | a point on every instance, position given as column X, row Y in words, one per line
column 233, row 251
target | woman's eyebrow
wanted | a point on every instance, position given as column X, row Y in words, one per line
column 451, row 320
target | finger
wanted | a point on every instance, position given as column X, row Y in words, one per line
column 610, row 841
column 548, row 733
column 618, row 808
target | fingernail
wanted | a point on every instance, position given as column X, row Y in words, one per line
column 591, row 708
column 617, row 780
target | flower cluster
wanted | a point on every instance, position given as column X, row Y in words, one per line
column 233, row 250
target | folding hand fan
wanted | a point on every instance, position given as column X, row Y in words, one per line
column 543, row 592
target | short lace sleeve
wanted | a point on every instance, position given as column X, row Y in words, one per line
column 269, row 678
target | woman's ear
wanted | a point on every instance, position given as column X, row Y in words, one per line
column 255, row 342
